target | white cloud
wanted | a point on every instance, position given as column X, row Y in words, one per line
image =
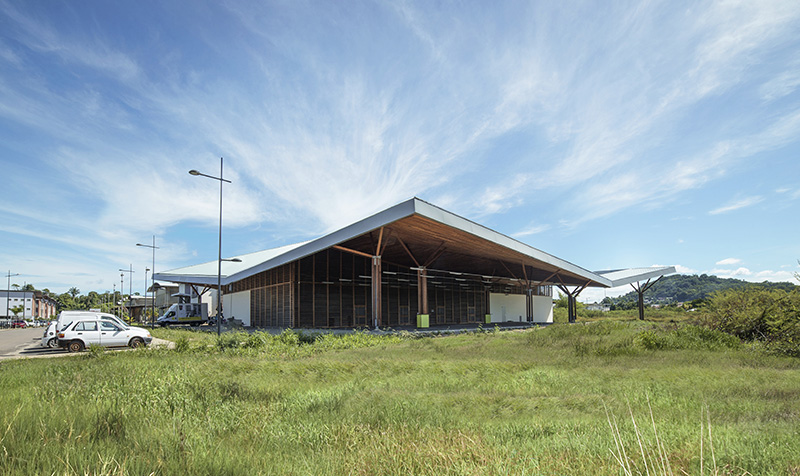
column 532, row 229
column 731, row 273
column 775, row 276
column 728, row 261
column 684, row 270
column 736, row 205
column 323, row 119
column 780, row 86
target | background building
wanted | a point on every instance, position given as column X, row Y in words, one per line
column 35, row 305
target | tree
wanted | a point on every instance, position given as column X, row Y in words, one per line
column 74, row 292
column 17, row 309
column 15, row 287
column 28, row 287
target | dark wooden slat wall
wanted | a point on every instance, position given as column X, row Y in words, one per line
column 332, row 289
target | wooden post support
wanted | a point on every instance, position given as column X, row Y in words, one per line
column 376, row 291
column 422, row 291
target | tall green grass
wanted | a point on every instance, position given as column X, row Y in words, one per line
column 527, row 402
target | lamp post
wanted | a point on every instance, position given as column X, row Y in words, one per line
column 144, row 305
column 130, row 288
column 8, row 290
column 153, row 309
column 121, row 292
column 219, row 261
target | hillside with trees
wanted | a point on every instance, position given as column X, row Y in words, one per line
column 688, row 288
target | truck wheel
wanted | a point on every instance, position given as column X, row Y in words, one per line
column 136, row 342
column 52, row 343
column 75, row 346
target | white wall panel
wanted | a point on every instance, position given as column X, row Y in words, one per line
column 237, row 306
column 507, row 307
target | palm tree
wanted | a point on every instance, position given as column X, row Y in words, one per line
column 74, row 292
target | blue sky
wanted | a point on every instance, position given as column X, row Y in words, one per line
column 610, row 134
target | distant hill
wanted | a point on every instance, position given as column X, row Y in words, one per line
column 684, row 288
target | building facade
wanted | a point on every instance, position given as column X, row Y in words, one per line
column 413, row 264
column 35, row 305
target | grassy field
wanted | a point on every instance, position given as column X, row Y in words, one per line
column 524, row 402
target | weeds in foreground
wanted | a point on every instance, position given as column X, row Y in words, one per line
column 652, row 454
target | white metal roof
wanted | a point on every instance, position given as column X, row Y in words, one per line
column 621, row 277
column 206, row 273
column 254, row 263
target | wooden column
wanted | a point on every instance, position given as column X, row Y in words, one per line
column 422, row 291
column 376, row 291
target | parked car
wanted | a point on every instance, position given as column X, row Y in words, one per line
column 65, row 318
column 19, row 323
column 49, row 338
column 85, row 331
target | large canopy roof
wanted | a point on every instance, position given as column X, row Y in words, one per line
column 417, row 234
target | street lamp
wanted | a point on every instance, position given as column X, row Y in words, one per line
column 130, row 289
column 219, row 262
column 153, row 310
column 8, row 291
column 144, row 305
column 121, row 293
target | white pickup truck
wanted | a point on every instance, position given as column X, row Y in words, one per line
column 185, row 313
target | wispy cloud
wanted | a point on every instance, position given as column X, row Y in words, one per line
column 326, row 113
column 728, row 261
column 736, row 205
column 532, row 229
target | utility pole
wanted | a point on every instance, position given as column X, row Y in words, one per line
column 8, row 290
column 153, row 278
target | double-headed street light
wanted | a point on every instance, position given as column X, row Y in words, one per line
column 220, row 260
column 153, row 309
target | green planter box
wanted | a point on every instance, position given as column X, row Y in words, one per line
column 488, row 319
column 423, row 320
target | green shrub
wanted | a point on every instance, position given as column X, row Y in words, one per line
column 757, row 314
column 289, row 337
column 650, row 340
column 687, row 337
column 182, row 344
column 96, row 351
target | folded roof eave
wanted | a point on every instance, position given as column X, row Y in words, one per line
column 621, row 277
column 386, row 217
